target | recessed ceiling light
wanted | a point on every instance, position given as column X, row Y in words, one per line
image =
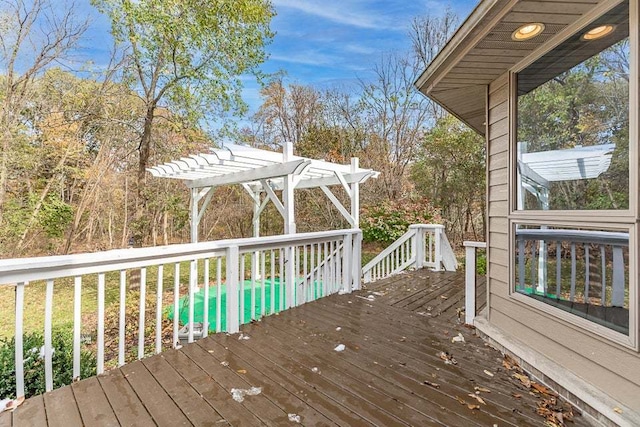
column 598, row 32
column 527, row 31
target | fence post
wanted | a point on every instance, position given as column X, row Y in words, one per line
column 233, row 319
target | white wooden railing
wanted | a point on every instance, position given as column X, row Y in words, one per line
column 423, row 245
column 470, row 287
column 533, row 247
column 312, row 265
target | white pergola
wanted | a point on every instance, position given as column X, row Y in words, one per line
column 261, row 173
column 538, row 169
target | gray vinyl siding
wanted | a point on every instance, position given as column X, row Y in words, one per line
column 611, row 367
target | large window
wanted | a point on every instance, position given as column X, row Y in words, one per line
column 573, row 122
column 584, row 272
column 572, row 157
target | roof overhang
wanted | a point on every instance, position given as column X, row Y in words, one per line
column 482, row 50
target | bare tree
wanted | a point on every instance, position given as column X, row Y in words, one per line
column 34, row 35
column 429, row 34
column 288, row 113
column 395, row 116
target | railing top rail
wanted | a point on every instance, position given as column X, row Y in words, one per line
column 42, row 268
column 581, row 236
column 472, row 244
column 382, row 255
column 427, row 226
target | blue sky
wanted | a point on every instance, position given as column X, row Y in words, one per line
column 324, row 43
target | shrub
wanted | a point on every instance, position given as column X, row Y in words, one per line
column 34, row 379
column 389, row 220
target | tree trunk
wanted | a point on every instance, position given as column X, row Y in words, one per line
column 144, row 151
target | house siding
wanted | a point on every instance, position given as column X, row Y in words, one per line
column 611, row 367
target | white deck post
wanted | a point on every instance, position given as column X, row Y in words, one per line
column 470, row 280
column 469, row 284
column 357, row 261
column 233, row 319
column 347, row 259
column 438, row 246
column 420, row 244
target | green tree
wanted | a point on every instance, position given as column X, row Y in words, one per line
column 188, row 55
column 450, row 171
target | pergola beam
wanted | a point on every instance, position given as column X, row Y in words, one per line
column 295, row 167
column 349, row 178
column 345, row 213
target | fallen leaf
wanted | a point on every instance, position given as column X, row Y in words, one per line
column 488, row 373
column 617, row 410
column 517, row 395
column 429, row 383
column 478, row 398
column 444, row 297
column 339, row 348
column 523, row 379
column 542, row 389
column 482, row 389
column 461, row 400
column 242, row 371
column 472, row 407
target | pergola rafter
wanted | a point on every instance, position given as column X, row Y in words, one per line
column 262, row 172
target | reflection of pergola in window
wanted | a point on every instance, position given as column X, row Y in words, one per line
column 535, row 173
column 537, row 170
column 262, row 173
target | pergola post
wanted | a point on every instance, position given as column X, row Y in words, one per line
column 355, row 194
column 287, row 193
column 194, row 215
column 289, row 228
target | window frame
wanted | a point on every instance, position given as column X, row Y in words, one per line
column 624, row 220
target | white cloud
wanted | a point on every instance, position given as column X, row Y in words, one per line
column 305, row 58
column 337, row 12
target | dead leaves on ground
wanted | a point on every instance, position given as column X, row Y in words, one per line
column 471, row 406
column 555, row 411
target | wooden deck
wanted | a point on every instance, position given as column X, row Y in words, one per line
column 397, row 335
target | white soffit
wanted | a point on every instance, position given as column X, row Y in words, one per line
column 482, row 50
column 239, row 164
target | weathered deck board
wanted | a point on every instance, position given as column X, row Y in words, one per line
column 163, row 409
column 93, row 404
column 405, row 359
column 394, row 340
column 61, row 408
column 127, row 407
column 195, row 408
